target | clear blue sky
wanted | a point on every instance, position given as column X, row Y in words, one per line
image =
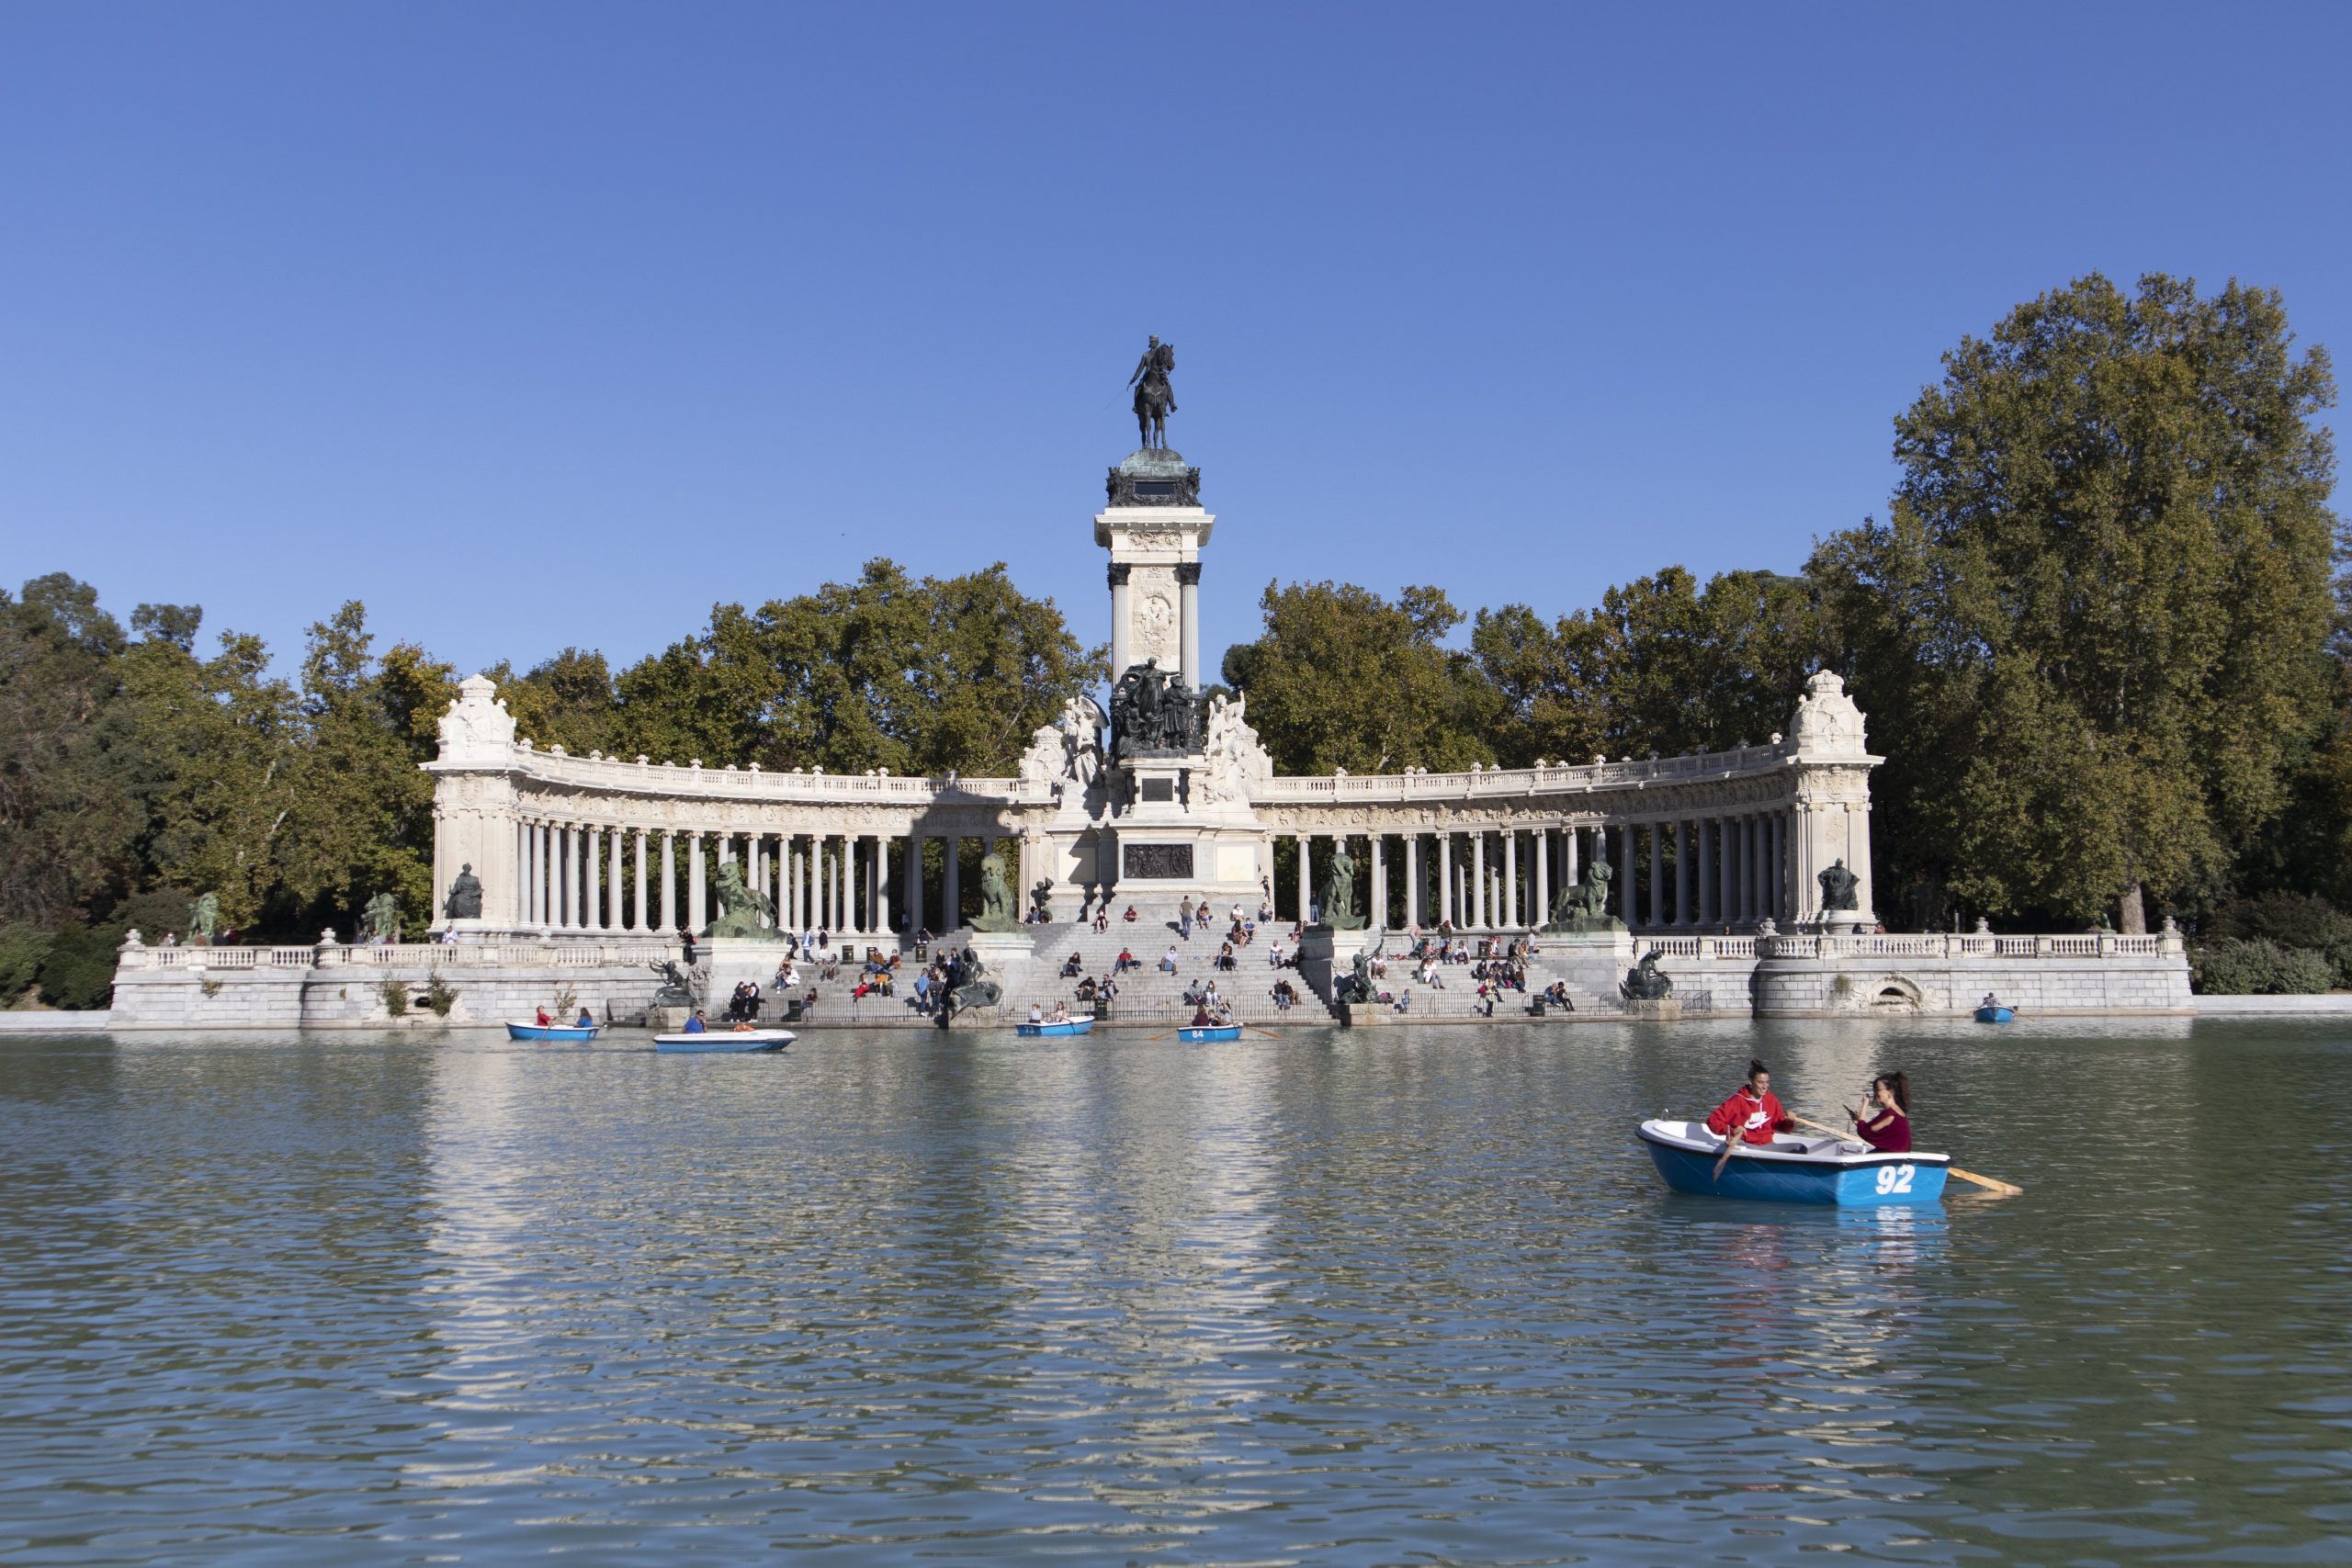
column 535, row 325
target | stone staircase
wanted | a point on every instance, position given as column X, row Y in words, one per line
column 1150, row 995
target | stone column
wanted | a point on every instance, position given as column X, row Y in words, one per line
column 1510, row 877
column 697, row 907
column 1574, row 848
column 1305, row 878
column 1414, row 901
column 1378, row 843
column 1445, row 880
column 566, row 902
column 816, row 882
column 1543, row 915
column 1188, row 594
column 1628, row 864
column 590, row 846
column 877, row 884
column 842, row 885
column 669, row 883
column 952, row 896
column 1477, row 870
column 1122, row 652
column 1681, row 872
column 1657, row 873
column 910, row 896
column 639, row 924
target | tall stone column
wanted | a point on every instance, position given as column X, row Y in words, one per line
column 951, row 906
column 1121, row 653
column 1378, row 843
column 1542, row 914
column 842, row 884
column 1445, row 880
column 1629, row 866
column 1414, row 901
column 1482, row 914
column 669, row 883
column 639, row 924
column 910, row 896
column 1681, row 872
column 1657, row 873
column 1511, row 878
column 1572, row 868
column 567, row 879
column 1306, row 879
column 1188, row 595
column 877, row 884
column 818, row 913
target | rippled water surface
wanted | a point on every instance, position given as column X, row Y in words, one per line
column 1400, row 1296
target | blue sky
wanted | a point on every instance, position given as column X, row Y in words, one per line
column 535, row 325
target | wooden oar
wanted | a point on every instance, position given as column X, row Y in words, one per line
column 1731, row 1142
column 2007, row 1189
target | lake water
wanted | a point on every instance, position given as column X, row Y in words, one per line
column 1400, row 1296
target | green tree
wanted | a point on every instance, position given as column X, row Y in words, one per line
column 362, row 817
column 916, row 675
column 68, row 829
column 1344, row 678
column 1661, row 665
column 2091, row 632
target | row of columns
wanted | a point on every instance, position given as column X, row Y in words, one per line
column 593, row 878
column 1699, row 872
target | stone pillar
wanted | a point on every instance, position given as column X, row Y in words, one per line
column 615, row 882
column 877, row 884
column 669, row 883
column 911, row 896
column 1445, row 879
column 1414, row 902
column 567, row 887
column 952, row 896
column 1681, row 872
column 1628, row 864
column 842, row 906
column 1122, row 654
column 697, row 907
column 1378, row 843
column 1478, row 869
column 1657, row 873
column 1510, row 877
column 817, row 920
column 1188, row 593
column 1542, row 914
column 1305, row 878
column 1574, row 848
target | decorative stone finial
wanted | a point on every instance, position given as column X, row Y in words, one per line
column 1828, row 724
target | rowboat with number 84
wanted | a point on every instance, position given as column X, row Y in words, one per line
column 1792, row 1170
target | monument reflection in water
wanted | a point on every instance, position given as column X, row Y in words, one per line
column 1337, row 1298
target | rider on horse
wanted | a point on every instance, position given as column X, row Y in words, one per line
column 1155, row 399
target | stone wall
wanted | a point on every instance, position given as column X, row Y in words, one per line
column 1823, row 976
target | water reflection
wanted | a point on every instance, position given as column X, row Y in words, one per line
column 1330, row 1299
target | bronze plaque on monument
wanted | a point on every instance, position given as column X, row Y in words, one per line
column 1147, row 860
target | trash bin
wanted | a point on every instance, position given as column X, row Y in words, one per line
column 792, row 1009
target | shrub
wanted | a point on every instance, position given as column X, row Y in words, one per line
column 22, row 948
column 439, row 998
column 395, row 997
column 2258, row 967
column 77, row 971
column 2290, row 920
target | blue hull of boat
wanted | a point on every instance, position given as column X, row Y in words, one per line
column 1994, row 1015
column 568, row 1032
column 1210, row 1035
column 1865, row 1181
column 1074, row 1026
column 723, row 1043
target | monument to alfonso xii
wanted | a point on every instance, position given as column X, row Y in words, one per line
column 1747, row 873
column 1161, row 796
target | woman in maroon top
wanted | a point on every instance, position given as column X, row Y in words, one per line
column 1887, row 1127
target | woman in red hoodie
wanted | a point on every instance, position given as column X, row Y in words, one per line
column 1752, row 1110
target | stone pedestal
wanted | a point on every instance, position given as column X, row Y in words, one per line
column 1656, row 1012
column 1326, row 956
column 725, row 962
column 1364, row 1015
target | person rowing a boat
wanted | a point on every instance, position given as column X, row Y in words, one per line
column 1752, row 1110
column 1887, row 1127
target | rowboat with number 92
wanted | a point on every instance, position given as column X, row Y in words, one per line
column 1792, row 1170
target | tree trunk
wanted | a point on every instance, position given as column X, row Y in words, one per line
column 2136, row 912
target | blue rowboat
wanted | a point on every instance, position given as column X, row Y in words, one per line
column 1793, row 1171
column 1996, row 1013
column 1208, row 1034
column 1067, row 1026
column 718, row 1042
column 571, row 1033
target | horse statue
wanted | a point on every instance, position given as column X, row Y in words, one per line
column 1155, row 399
